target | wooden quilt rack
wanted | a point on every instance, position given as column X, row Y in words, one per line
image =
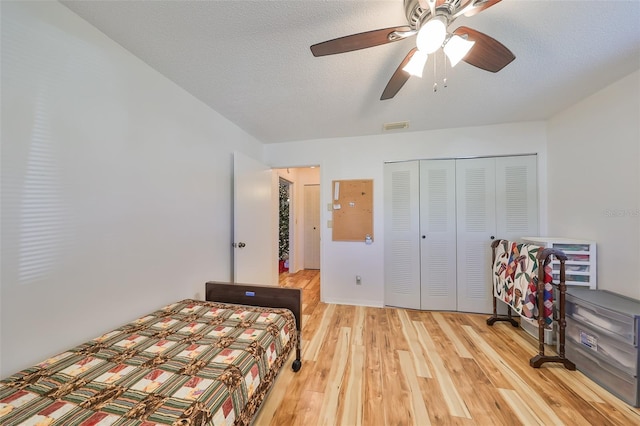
column 543, row 258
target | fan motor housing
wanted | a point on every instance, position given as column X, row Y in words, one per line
column 416, row 15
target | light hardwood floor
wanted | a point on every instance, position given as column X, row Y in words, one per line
column 387, row 366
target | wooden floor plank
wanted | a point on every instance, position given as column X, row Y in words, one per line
column 353, row 402
column 396, row 394
column 363, row 366
column 335, row 381
column 375, row 326
column 418, row 359
column 526, row 415
column 461, row 349
column 358, row 328
column 419, row 410
column 455, row 404
column 312, row 350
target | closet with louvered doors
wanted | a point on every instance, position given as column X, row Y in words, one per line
column 440, row 217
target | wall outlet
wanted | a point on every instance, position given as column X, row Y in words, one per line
column 358, row 280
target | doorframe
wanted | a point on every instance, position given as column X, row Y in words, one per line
column 296, row 212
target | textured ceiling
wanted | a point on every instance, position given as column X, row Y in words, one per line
column 250, row 61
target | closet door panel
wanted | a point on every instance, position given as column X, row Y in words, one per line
column 476, row 225
column 516, row 197
column 401, row 235
column 438, row 235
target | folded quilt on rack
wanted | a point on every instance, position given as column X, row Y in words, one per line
column 515, row 279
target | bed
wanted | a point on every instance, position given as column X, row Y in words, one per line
column 192, row 362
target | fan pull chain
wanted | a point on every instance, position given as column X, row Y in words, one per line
column 435, row 77
column 444, row 80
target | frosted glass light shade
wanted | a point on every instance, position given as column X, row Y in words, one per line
column 431, row 35
column 416, row 64
column 457, row 48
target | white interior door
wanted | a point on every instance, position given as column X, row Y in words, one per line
column 476, row 226
column 401, row 235
column 255, row 251
column 311, row 227
column 438, row 235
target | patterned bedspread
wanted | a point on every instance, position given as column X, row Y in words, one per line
column 515, row 279
column 190, row 363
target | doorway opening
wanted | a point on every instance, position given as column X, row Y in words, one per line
column 284, row 228
column 299, row 220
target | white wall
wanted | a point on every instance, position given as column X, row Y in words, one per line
column 116, row 185
column 363, row 158
column 594, row 180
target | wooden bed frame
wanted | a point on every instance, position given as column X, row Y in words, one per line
column 260, row 295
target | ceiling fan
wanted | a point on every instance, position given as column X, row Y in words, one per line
column 428, row 21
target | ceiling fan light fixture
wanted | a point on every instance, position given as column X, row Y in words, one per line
column 457, row 48
column 428, row 20
column 432, row 34
column 415, row 66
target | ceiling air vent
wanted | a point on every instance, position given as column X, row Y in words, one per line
column 395, row 126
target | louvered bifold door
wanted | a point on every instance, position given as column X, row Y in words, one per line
column 476, row 220
column 401, row 239
column 438, row 235
column 516, row 197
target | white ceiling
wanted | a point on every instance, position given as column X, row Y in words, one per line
column 250, row 61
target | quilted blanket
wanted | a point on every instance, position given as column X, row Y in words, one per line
column 190, row 363
column 515, row 279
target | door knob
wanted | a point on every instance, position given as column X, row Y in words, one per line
column 241, row 245
column 493, row 238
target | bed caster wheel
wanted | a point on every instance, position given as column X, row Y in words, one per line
column 296, row 365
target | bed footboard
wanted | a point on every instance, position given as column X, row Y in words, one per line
column 265, row 296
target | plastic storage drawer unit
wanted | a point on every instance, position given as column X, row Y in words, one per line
column 602, row 339
column 605, row 348
column 605, row 311
column 619, row 383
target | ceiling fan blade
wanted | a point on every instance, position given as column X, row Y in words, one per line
column 479, row 6
column 398, row 79
column 488, row 53
column 357, row 41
